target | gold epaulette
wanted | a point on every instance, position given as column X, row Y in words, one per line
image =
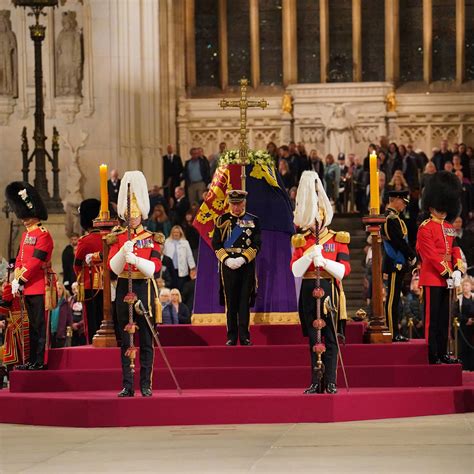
column 42, row 228
column 425, row 222
column 113, row 236
column 343, row 237
column 298, row 240
column 159, row 238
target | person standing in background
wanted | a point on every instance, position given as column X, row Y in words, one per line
column 67, row 257
column 172, row 171
column 113, row 186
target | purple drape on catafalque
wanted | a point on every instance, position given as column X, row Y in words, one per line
column 276, row 285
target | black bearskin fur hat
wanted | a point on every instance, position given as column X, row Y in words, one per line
column 89, row 210
column 443, row 193
column 25, row 201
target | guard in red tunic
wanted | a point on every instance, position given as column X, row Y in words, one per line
column 141, row 255
column 332, row 258
column 441, row 264
column 33, row 275
column 88, row 267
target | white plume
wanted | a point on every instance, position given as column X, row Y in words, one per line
column 309, row 197
column 139, row 187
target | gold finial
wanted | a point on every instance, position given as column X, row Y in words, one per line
column 360, row 315
column 287, row 103
column 391, row 101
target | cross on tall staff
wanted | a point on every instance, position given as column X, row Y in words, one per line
column 243, row 104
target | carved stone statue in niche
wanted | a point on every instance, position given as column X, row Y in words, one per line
column 69, row 57
column 8, row 57
column 74, row 195
column 340, row 132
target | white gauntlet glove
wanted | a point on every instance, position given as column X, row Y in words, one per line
column 15, row 286
column 88, row 258
column 131, row 259
column 239, row 261
column 231, row 263
column 127, row 247
column 301, row 265
column 319, row 261
column 456, row 278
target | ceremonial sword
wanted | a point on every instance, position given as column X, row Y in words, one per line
column 140, row 309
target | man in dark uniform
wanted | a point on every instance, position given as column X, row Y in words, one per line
column 33, row 275
column 89, row 268
column 137, row 258
column 399, row 256
column 441, row 263
column 237, row 241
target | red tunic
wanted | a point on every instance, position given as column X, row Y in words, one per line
column 145, row 246
column 90, row 275
column 439, row 255
column 332, row 250
column 33, row 258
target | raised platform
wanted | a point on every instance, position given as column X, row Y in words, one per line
column 258, row 384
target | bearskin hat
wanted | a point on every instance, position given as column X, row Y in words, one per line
column 25, row 201
column 443, row 193
column 88, row 211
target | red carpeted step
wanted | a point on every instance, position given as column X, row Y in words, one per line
column 198, row 407
column 211, row 356
column 238, row 377
column 266, row 334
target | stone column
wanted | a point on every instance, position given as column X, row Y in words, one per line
column 190, row 34
column 324, row 38
column 427, row 40
column 290, row 50
column 357, row 40
column 254, row 44
column 392, row 40
column 460, row 37
column 223, row 45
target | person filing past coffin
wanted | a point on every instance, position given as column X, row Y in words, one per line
column 236, row 242
column 140, row 254
column 33, row 275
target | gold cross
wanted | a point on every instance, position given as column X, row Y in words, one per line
column 243, row 105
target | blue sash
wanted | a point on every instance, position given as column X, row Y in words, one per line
column 395, row 255
column 237, row 231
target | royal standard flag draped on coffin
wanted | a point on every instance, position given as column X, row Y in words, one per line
column 268, row 200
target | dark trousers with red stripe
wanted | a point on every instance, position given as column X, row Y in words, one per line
column 94, row 312
column 307, row 312
column 34, row 305
column 392, row 302
column 436, row 321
